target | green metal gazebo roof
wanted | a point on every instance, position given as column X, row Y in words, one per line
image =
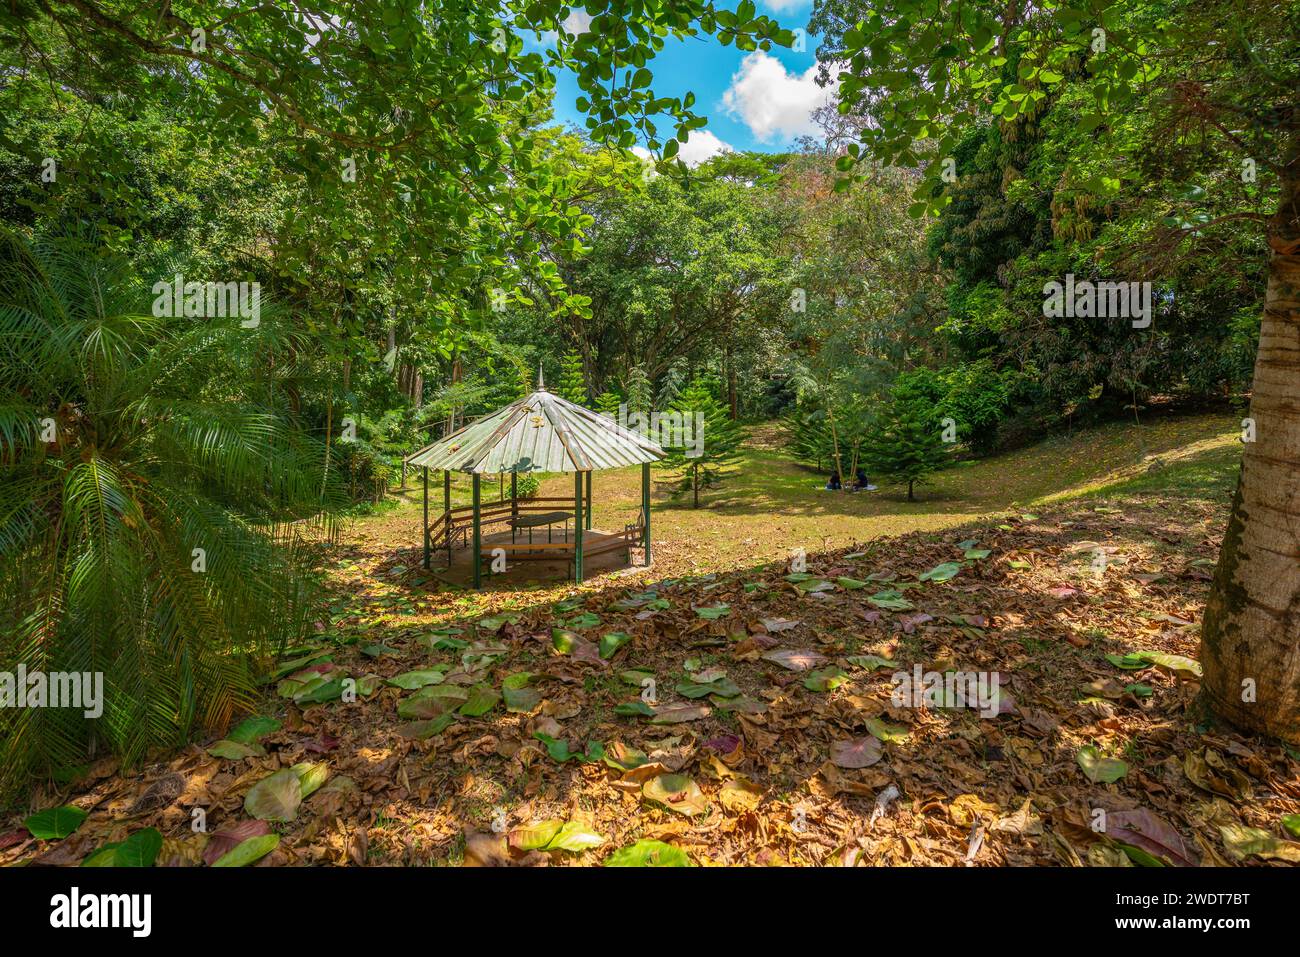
column 538, row 433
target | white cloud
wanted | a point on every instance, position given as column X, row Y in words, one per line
column 702, row 146
column 784, row 6
column 771, row 101
column 579, row 21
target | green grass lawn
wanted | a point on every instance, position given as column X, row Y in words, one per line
column 769, row 504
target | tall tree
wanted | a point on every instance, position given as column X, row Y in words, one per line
column 922, row 73
column 678, row 270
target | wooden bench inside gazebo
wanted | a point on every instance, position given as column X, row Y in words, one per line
column 539, row 433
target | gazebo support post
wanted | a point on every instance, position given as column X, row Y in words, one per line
column 475, row 558
column 577, row 527
column 446, row 509
column 426, row 515
column 645, row 509
column 588, row 512
column 514, row 503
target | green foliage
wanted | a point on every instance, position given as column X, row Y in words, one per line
column 150, row 473
column 607, row 403
column 976, row 396
column 1049, row 145
column 671, row 386
column 808, row 438
column 714, row 440
column 527, row 485
column 676, row 272
column 815, row 436
column 572, row 384
column 410, row 129
column 908, row 443
column 988, row 63
column 640, row 394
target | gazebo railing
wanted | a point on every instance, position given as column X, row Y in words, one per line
column 460, row 518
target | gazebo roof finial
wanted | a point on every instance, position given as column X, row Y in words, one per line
column 541, row 386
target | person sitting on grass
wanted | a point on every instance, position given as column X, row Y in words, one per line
column 834, row 484
column 861, row 483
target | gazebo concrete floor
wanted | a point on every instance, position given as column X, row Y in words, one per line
column 461, row 570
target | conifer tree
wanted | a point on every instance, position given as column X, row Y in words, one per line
column 712, row 441
column 572, row 384
column 640, row 391
column 908, row 445
column 607, row 403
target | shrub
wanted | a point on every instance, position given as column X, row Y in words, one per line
column 527, row 484
column 148, row 491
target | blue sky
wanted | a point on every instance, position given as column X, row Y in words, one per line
column 754, row 101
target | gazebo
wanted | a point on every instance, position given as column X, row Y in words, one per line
column 538, row 433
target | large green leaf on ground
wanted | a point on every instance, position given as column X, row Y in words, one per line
column 422, row 730
column 414, row 680
column 140, row 849
column 886, row 732
column 825, row 679
column 870, row 662
column 432, row 701
column 311, row 775
column 622, row 757
column 519, row 698
column 1180, row 665
column 252, row 729
column 714, row 612
column 634, row 708
column 611, row 642
column 891, row 600
column 482, row 699
column 723, row 686
column 574, row 837
column 941, row 573
column 646, row 853
column 249, row 851
column 534, row 837
column 236, row 750
column 1099, row 769
column 55, row 823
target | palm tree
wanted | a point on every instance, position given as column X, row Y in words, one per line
column 155, row 493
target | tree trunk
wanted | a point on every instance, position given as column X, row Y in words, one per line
column 695, row 481
column 1250, row 637
column 910, row 496
column 835, row 440
column 732, row 399
column 455, row 377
